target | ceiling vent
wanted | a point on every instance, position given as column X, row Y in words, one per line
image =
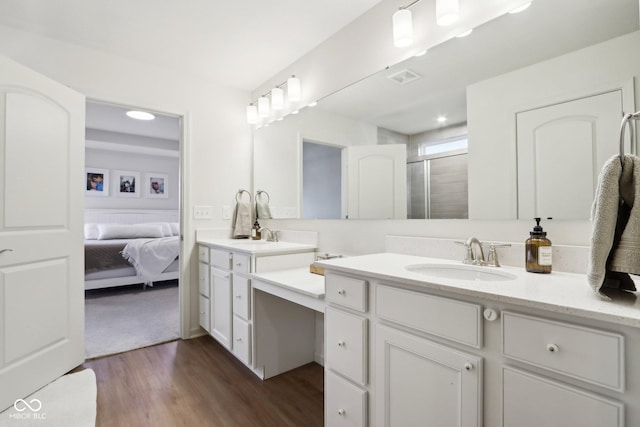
column 404, row 77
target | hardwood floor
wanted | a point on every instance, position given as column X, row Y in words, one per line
column 196, row 383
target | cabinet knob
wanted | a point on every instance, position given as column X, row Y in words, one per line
column 490, row 314
column 341, row 411
column 552, row 348
column 238, row 296
column 238, row 339
column 238, row 264
column 341, row 343
column 341, row 292
column 468, row 366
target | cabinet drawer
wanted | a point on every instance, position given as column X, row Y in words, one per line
column 346, row 291
column 346, row 344
column 220, row 258
column 345, row 403
column 242, row 339
column 587, row 354
column 203, row 279
column 203, row 253
column 204, row 310
column 241, row 263
column 532, row 401
column 241, row 297
column 447, row 318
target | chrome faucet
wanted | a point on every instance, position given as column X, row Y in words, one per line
column 272, row 236
column 476, row 257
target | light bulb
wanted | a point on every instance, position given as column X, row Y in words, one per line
column 402, row 28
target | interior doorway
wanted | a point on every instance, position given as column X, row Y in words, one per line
column 133, row 212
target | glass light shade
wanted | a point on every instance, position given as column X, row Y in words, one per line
column 402, row 28
column 252, row 115
column 293, row 89
column 277, row 98
column 263, row 106
column 447, row 12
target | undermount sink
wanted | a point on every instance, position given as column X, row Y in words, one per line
column 461, row 272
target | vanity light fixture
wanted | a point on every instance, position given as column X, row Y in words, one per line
column 262, row 107
column 402, row 27
column 252, row 114
column 140, row 115
column 277, row 98
column 447, row 12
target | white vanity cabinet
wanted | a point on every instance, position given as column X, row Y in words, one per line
column 383, row 366
column 589, row 355
column 226, row 306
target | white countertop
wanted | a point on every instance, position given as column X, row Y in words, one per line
column 257, row 247
column 559, row 292
column 297, row 279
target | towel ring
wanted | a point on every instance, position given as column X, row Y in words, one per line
column 239, row 194
column 626, row 120
column 260, row 192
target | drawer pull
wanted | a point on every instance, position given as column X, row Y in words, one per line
column 468, row 366
column 342, row 292
column 341, row 344
column 341, row 411
column 238, row 296
column 552, row 348
column 238, row 339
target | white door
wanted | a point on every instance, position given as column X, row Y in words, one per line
column 561, row 150
column 377, row 181
column 420, row 382
column 41, row 237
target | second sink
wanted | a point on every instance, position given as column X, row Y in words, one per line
column 461, row 272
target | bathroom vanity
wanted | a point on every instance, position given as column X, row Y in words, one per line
column 414, row 341
column 248, row 315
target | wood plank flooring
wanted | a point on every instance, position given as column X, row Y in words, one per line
column 196, row 383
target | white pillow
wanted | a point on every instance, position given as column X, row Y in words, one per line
column 166, row 228
column 175, row 228
column 91, row 231
column 128, row 231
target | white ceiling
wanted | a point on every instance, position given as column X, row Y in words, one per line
column 237, row 43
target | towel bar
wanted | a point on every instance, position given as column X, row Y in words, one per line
column 626, row 120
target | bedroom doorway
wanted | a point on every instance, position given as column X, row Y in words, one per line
column 132, row 228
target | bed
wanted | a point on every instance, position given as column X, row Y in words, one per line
column 149, row 241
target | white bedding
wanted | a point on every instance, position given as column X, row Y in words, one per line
column 150, row 257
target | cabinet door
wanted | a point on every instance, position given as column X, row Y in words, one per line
column 532, row 401
column 221, row 306
column 422, row 383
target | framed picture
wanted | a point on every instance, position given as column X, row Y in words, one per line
column 128, row 183
column 157, row 185
column 96, row 182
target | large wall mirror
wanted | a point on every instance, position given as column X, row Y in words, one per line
column 529, row 106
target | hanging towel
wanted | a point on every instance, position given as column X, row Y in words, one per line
column 241, row 220
column 615, row 217
column 262, row 209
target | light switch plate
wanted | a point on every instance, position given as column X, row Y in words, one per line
column 202, row 212
column 226, row 212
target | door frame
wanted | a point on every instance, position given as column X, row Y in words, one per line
column 184, row 280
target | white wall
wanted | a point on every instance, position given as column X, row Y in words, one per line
column 492, row 104
column 217, row 150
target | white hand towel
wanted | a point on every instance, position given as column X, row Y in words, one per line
column 615, row 238
column 241, row 220
column 262, row 209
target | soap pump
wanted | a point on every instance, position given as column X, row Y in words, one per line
column 255, row 231
column 538, row 253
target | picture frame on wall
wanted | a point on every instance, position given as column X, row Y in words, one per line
column 128, row 183
column 157, row 185
column 96, row 182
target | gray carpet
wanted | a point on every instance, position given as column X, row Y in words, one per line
column 126, row 318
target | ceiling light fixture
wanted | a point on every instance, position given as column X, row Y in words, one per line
column 447, row 12
column 264, row 107
column 140, row 115
column 441, row 119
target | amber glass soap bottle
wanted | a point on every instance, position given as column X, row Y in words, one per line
column 538, row 251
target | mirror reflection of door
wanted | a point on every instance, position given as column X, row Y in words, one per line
column 561, row 150
column 321, row 181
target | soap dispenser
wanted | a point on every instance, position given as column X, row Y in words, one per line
column 538, row 251
column 255, row 231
